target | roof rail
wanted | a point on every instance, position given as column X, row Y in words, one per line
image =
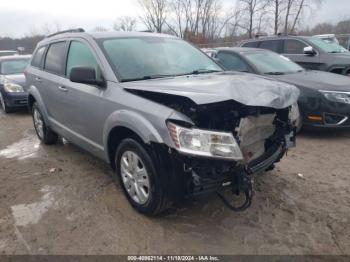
column 77, row 30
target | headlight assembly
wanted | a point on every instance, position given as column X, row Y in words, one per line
column 340, row 97
column 12, row 87
column 205, row 143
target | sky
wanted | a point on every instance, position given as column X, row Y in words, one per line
column 21, row 17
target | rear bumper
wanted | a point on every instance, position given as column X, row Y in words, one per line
column 15, row 99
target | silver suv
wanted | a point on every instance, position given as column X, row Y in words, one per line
column 166, row 117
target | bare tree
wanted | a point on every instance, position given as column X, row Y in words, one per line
column 155, row 13
column 100, row 29
column 253, row 9
column 125, row 23
column 277, row 9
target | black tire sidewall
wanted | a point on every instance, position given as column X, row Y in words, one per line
column 49, row 137
column 156, row 191
column 7, row 109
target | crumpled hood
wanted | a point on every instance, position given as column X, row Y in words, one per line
column 244, row 88
column 318, row 80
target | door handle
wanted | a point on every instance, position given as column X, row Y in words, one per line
column 38, row 79
column 63, row 89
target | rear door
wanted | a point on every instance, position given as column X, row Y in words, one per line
column 272, row 45
column 52, row 79
column 294, row 49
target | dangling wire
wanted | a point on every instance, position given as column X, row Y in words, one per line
column 248, row 199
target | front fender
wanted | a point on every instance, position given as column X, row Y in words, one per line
column 33, row 91
column 133, row 121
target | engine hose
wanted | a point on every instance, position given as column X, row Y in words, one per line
column 248, row 200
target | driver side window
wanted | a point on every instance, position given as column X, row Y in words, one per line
column 80, row 54
column 232, row 62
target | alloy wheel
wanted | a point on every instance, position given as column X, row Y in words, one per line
column 38, row 123
column 135, row 177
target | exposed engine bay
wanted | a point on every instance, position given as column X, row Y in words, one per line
column 264, row 135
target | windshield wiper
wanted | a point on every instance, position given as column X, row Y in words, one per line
column 146, row 78
column 202, row 71
column 275, row 73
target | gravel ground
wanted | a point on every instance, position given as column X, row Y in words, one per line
column 60, row 200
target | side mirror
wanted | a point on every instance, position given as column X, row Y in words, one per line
column 85, row 75
column 309, row 51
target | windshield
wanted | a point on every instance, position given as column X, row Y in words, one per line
column 327, row 47
column 11, row 67
column 155, row 57
column 272, row 63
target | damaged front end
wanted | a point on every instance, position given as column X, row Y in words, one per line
column 263, row 135
column 224, row 145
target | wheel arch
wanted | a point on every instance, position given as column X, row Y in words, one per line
column 35, row 97
column 127, row 124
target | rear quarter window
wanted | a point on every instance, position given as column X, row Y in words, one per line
column 38, row 57
column 55, row 58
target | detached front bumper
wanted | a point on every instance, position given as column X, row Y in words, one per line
column 15, row 99
column 192, row 176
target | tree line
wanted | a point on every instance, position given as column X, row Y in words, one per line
column 208, row 21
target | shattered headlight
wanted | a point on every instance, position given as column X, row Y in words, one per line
column 340, row 97
column 205, row 143
column 12, row 87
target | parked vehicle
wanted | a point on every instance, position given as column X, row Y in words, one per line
column 325, row 97
column 165, row 116
column 328, row 38
column 8, row 52
column 309, row 52
column 13, row 89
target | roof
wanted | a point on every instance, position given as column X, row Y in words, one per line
column 101, row 35
column 14, row 57
column 276, row 38
column 241, row 49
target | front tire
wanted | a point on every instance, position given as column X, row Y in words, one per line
column 44, row 133
column 139, row 178
column 4, row 107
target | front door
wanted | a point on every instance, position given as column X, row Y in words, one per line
column 294, row 50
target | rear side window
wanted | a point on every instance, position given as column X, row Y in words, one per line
column 232, row 62
column 293, row 46
column 55, row 58
column 272, row 45
column 251, row 44
column 38, row 57
column 80, row 54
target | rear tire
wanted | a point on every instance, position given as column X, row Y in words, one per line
column 139, row 178
column 44, row 133
column 4, row 107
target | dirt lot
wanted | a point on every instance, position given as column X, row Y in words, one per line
column 79, row 210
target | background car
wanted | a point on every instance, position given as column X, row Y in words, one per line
column 325, row 97
column 8, row 52
column 13, row 89
column 328, row 38
column 309, row 52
